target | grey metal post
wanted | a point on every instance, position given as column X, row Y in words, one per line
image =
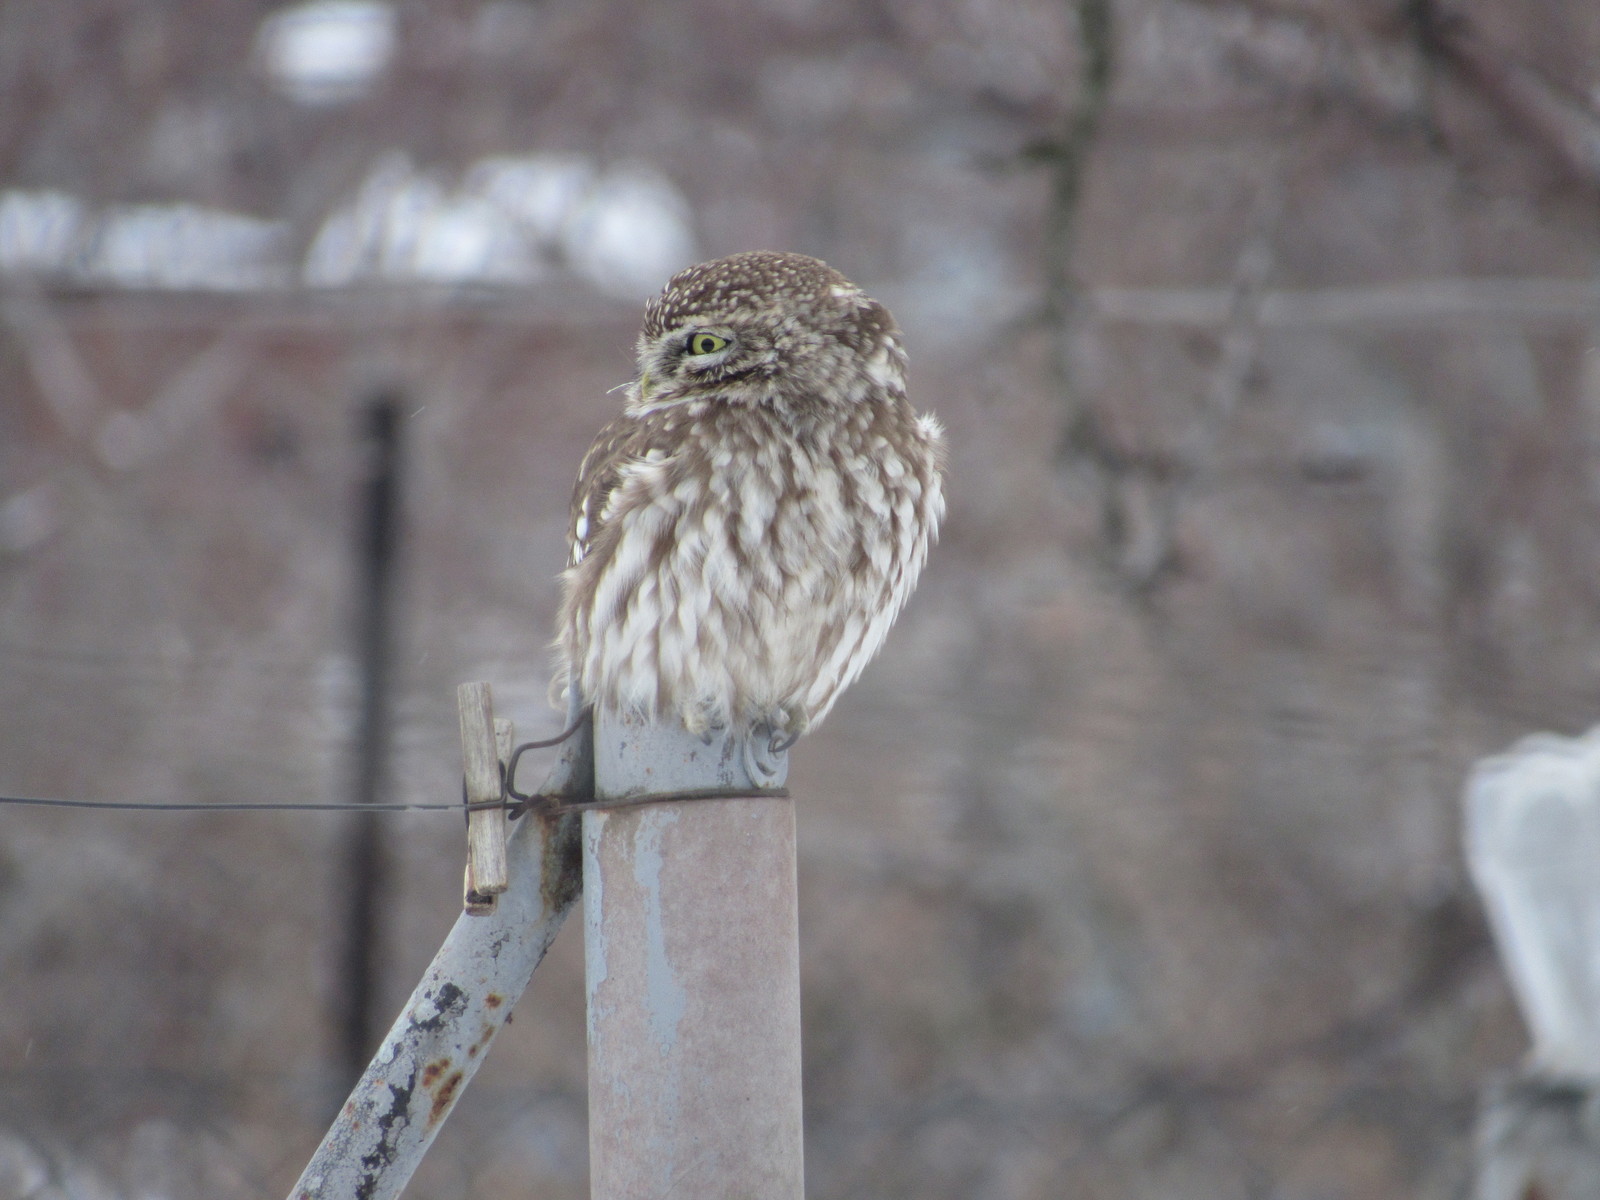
column 692, row 948
column 442, row 1035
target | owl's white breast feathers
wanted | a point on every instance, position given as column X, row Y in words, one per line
column 746, row 574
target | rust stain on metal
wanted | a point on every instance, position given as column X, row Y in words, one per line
column 483, row 1041
column 493, row 1000
column 432, row 1071
column 444, row 1096
column 562, row 873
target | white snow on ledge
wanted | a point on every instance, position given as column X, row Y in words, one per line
column 52, row 234
column 507, row 221
column 39, row 231
column 183, row 246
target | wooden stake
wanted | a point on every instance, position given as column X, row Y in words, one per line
column 474, row 901
column 485, row 746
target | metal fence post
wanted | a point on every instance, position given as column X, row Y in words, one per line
column 692, row 951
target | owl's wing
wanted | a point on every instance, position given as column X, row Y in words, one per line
column 626, row 444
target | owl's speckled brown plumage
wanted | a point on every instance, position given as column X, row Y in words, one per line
column 745, row 533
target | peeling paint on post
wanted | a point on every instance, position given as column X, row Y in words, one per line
column 692, row 945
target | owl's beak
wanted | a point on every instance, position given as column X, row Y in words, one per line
column 644, row 388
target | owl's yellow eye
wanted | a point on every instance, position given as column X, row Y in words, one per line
column 706, row 343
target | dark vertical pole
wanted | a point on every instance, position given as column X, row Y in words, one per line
column 363, row 852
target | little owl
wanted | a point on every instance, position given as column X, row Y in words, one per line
column 745, row 533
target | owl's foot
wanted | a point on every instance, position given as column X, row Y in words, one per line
column 766, row 751
column 704, row 724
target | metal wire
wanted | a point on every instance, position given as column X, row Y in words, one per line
column 508, row 773
column 231, row 806
column 556, row 805
column 531, row 803
column 514, row 803
column 514, row 810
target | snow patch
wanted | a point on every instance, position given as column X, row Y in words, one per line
column 510, row 220
column 327, row 51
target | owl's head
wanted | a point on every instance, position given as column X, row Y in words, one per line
column 766, row 327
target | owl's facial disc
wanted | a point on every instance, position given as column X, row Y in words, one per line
column 700, row 357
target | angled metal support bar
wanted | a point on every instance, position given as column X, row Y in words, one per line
column 443, row 1033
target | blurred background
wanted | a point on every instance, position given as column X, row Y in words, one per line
column 1265, row 335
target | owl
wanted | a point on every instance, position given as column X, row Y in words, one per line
column 745, row 533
